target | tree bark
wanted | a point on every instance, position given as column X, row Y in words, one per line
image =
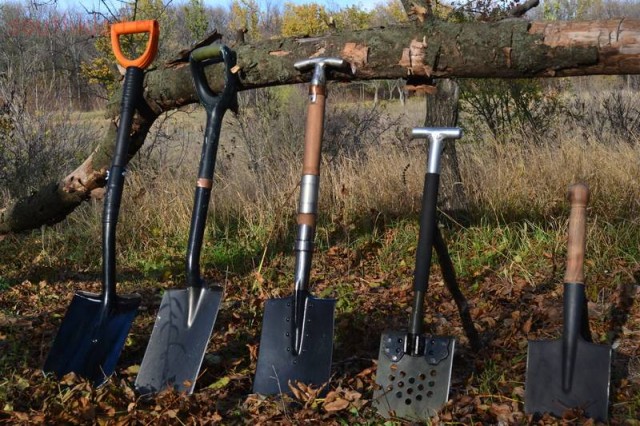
column 442, row 111
column 505, row 49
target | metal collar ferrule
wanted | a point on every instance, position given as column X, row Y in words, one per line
column 204, row 183
column 309, row 187
column 315, row 90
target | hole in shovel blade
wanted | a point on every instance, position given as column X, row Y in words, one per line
column 407, row 401
column 433, row 373
column 398, row 394
column 422, row 377
column 429, row 394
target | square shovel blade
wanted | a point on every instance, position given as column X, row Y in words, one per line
column 413, row 387
column 589, row 390
column 277, row 363
column 90, row 340
column 179, row 340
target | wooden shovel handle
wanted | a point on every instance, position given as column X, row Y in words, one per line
column 578, row 197
column 313, row 133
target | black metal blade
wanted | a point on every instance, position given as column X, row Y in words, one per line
column 590, row 387
column 412, row 387
column 179, row 340
column 90, row 340
column 277, row 363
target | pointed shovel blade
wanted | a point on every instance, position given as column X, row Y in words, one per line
column 179, row 340
column 277, row 363
column 589, row 391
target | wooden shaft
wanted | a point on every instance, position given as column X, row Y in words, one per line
column 578, row 197
column 313, row 135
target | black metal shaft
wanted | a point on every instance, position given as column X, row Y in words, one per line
column 216, row 105
column 131, row 93
column 573, row 328
column 203, row 196
column 424, row 252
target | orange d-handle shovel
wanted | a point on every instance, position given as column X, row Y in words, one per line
column 95, row 326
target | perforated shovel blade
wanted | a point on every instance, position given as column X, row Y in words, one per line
column 179, row 340
column 413, row 388
column 277, row 364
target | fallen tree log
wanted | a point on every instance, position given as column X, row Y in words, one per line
column 511, row 48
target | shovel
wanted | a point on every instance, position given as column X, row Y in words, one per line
column 186, row 317
column 297, row 331
column 95, row 326
column 571, row 372
column 414, row 369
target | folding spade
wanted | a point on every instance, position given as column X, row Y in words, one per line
column 95, row 327
column 297, row 331
column 414, row 369
column 571, row 372
column 186, row 317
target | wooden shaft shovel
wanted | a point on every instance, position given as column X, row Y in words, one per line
column 571, row 372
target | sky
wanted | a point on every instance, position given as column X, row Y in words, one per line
column 331, row 4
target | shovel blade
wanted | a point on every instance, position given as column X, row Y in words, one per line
column 589, row 391
column 412, row 387
column 90, row 340
column 277, row 363
column 179, row 340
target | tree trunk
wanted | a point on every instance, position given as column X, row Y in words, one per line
column 506, row 49
column 442, row 111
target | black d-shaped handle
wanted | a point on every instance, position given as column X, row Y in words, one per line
column 208, row 55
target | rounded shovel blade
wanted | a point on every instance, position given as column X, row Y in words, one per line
column 412, row 387
column 277, row 363
column 589, row 390
column 179, row 340
column 90, row 340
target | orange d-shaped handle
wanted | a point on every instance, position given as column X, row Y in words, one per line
column 134, row 27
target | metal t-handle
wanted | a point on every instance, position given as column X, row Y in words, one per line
column 436, row 136
column 319, row 64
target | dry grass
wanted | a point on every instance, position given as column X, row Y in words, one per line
column 368, row 184
column 518, row 179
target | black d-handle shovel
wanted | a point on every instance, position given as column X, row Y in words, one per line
column 95, row 327
column 186, row 317
column 414, row 369
column 571, row 372
column 297, row 331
